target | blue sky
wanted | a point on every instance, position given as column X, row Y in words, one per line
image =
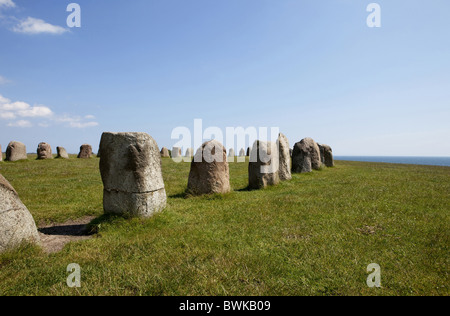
column 311, row 68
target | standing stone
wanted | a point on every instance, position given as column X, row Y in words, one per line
column 306, row 156
column 242, row 153
column 285, row 158
column 85, row 151
column 209, row 170
column 248, row 152
column 62, row 153
column 290, row 152
column 165, row 153
column 231, row 153
column 263, row 166
column 326, row 155
column 130, row 165
column 16, row 151
column 189, row 153
column 44, row 151
column 176, row 152
column 16, row 223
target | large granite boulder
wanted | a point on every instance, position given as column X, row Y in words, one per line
column 264, row 165
column 17, row 226
column 165, row 153
column 306, row 156
column 209, row 170
column 44, row 151
column 16, row 151
column 130, row 166
column 326, row 155
column 62, row 153
column 285, row 158
column 85, row 151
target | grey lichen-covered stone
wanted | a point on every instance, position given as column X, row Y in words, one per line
column 263, row 166
column 176, row 152
column 16, row 151
column 165, row 153
column 242, row 153
column 285, row 158
column 16, row 223
column 326, row 155
column 189, row 153
column 130, row 165
column 44, row 151
column 85, row 151
column 62, row 153
column 209, row 170
column 306, row 156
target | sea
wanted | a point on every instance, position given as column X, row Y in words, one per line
column 431, row 161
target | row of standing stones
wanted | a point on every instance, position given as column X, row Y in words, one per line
column 17, row 151
column 130, row 167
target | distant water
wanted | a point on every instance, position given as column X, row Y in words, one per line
column 432, row 161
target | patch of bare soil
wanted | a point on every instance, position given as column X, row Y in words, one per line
column 55, row 237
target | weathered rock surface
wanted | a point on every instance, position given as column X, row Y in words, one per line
column 62, row 153
column 306, row 156
column 209, row 170
column 176, row 152
column 85, row 151
column 16, row 151
column 189, row 153
column 16, row 223
column 263, row 166
column 130, row 165
column 285, row 158
column 165, row 153
column 326, row 155
column 44, row 151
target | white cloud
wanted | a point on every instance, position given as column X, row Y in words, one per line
column 7, row 4
column 21, row 123
column 38, row 26
column 21, row 110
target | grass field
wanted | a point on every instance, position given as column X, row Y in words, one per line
column 314, row 235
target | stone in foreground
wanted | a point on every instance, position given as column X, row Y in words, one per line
column 85, row 151
column 44, row 151
column 263, row 166
column 306, row 156
column 130, row 165
column 17, row 226
column 62, row 153
column 285, row 158
column 209, row 170
column 326, row 155
column 16, row 151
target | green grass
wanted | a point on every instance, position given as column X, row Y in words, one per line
column 314, row 235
